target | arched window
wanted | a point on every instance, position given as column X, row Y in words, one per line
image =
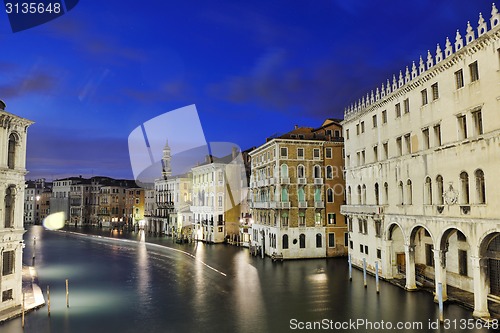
column 480, row 187
column 284, row 220
column 9, row 208
column 285, row 241
column 329, row 195
column 464, row 186
column 11, row 156
column 377, row 198
column 317, row 171
column 359, row 194
column 301, row 172
column 428, row 191
column 284, row 171
column 401, row 194
column 301, row 194
column 349, row 195
column 329, row 172
column 302, row 241
column 440, row 190
column 317, row 194
column 363, row 192
column 386, row 193
column 319, row 240
column 284, row 194
column 409, row 192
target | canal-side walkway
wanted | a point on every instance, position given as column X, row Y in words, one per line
column 32, row 292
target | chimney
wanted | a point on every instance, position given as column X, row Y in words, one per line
column 296, row 126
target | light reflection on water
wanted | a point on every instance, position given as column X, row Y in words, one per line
column 136, row 287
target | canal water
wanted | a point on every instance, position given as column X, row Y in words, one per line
column 136, row 286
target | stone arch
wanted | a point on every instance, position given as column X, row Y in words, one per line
column 395, row 237
column 421, row 260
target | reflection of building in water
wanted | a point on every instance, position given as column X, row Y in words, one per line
column 13, row 136
column 422, row 156
column 297, row 188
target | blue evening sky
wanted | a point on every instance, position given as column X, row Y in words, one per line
column 253, row 68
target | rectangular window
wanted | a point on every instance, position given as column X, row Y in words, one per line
column 336, row 134
column 374, row 120
column 8, row 263
column 360, row 225
column 300, row 153
column 348, row 160
column 351, row 245
column 407, row 144
column 346, row 239
column 363, row 157
column 407, row 105
column 365, row 226
column 375, row 153
column 459, row 79
column 378, row 228
column 359, row 157
column 462, row 127
column 357, row 129
column 424, row 96
column 462, row 262
column 366, row 249
column 361, row 248
column 435, row 91
column 384, row 117
column 349, row 223
column 425, row 136
column 362, row 127
column 437, row 135
column 347, row 134
column 331, row 239
column 474, row 72
column 328, row 152
column 385, row 146
column 284, row 152
column 316, row 153
column 332, row 218
column 379, row 254
column 478, row 122
column 398, row 110
column 7, row 295
column 399, row 146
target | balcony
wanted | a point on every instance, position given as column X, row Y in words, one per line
column 319, row 204
column 362, row 209
column 301, row 181
column 285, row 180
column 318, row 181
column 260, row 205
column 274, row 204
column 271, row 181
column 285, row 205
column 302, row 204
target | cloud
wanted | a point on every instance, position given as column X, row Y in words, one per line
column 174, row 90
column 76, row 155
column 33, row 83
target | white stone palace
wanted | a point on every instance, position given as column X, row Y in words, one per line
column 422, row 159
column 13, row 135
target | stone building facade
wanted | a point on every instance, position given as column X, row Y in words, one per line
column 422, row 156
column 13, row 136
column 296, row 191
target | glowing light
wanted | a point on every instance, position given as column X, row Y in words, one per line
column 54, row 221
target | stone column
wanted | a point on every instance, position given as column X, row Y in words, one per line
column 440, row 273
column 481, row 287
column 410, row 267
column 387, row 267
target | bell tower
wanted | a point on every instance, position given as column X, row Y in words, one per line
column 165, row 162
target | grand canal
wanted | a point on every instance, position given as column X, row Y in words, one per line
column 136, row 286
